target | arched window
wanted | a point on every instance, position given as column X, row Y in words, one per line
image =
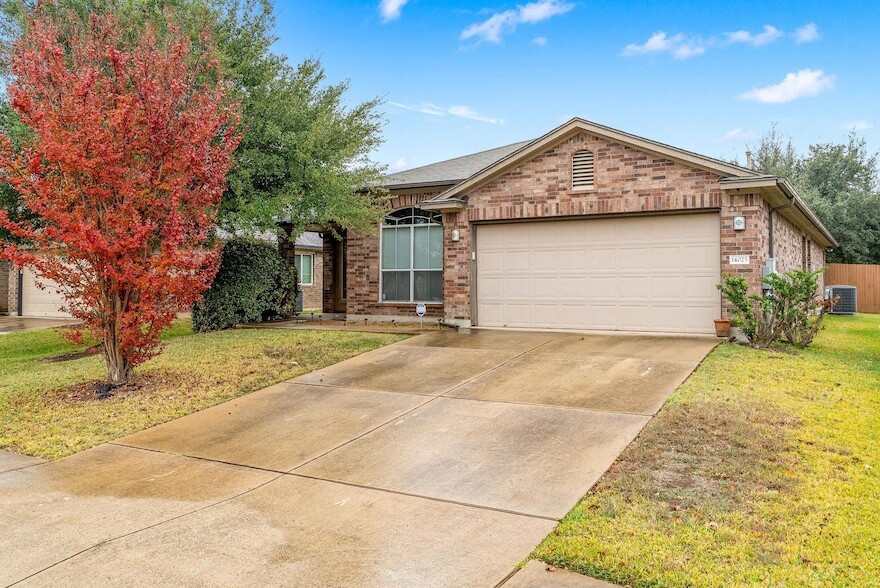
column 412, row 256
column 582, row 171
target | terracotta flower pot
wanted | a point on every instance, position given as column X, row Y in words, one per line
column 722, row 327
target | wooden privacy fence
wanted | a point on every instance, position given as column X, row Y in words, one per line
column 866, row 279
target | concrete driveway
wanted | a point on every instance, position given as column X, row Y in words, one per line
column 442, row 460
column 15, row 324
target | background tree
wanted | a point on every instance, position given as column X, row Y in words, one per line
column 124, row 169
column 775, row 154
column 839, row 181
column 12, row 128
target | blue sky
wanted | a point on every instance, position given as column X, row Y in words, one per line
column 458, row 77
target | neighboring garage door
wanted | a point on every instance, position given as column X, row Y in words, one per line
column 651, row 273
column 37, row 302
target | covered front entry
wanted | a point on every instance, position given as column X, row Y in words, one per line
column 644, row 273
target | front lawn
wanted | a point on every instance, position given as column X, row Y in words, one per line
column 41, row 414
column 763, row 469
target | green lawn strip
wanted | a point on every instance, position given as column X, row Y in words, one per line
column 195, row 371
column 761, row 470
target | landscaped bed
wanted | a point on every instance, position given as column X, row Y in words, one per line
column 763, row 469
column 47, row 402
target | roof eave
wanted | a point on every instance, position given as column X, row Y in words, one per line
column 784, row 188
column 448, row 205
column 415, row 185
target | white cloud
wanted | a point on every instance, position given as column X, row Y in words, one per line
column 768, row 35
column 807, row 33
column 678, row 45
column 390, row 9
column 688, row 50
column 735, row 135
column 470, row 113
column 459, row 111
column 542, row 10
column 806, row 82
column 683, row 46
column 398, row 164
column 539, row 41
column 423, row 107
column 656, row 43
column 493, row 28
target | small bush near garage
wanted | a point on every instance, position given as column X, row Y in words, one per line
column 254, row 283
column 791, row 311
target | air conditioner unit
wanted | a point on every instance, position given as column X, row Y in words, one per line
column 846, row 299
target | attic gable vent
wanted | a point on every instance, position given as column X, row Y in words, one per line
column 582, row 170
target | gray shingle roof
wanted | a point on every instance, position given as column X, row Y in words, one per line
column 450, row 171
column 310, row 240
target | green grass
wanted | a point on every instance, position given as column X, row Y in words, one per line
column 763, row 469
column 39, row 414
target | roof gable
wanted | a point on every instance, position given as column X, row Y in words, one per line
column 731, row 176
column 576, row 125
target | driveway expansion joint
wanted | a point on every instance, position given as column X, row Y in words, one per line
column 426, row 497
column 497, row 367
column 293, row 472
column 200, row 458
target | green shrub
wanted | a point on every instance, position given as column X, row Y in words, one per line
column 792, row 309
column 253, row 283
column 800, row 307
column 753, row 314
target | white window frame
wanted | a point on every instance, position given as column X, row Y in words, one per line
column 299, row 271
column 411, row 271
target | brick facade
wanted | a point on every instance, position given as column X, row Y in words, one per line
column 5, row 273
column 363, row 269
column 627, row 181
column 753, row 241
column 794, row 249
column 313, row 294
column 9, row 276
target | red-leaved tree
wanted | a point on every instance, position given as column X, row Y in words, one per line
column 124, row 170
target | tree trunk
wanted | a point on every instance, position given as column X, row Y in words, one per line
column 119, row 368
column 119, row 371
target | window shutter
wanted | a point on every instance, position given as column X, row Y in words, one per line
column 582, row 170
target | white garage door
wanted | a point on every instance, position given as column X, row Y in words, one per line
column 37, row 302
column 631, row 274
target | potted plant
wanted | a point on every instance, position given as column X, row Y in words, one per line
column 722, row 327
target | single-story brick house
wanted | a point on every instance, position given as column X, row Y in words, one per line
column 584, row 228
